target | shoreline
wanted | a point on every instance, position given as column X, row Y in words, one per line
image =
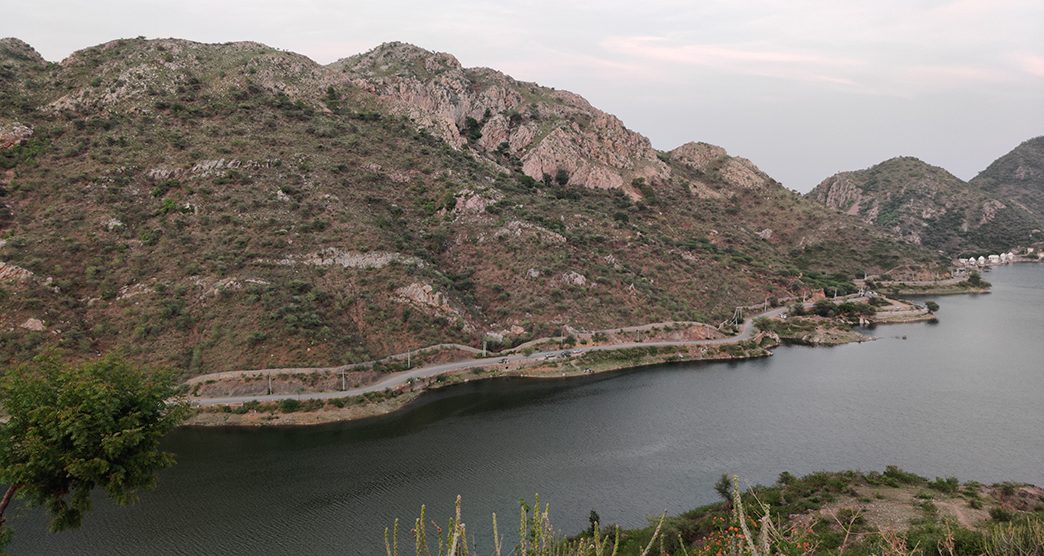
column 306, row 409
column 368, row 406
column 941, row 290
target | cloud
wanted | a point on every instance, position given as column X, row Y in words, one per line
column 1031, row 64
column 736, row 59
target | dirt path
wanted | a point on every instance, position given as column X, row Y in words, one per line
column 397, row 379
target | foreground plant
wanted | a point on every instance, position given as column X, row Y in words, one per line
column 69, row 429
column 779, row 520
column 538, row 537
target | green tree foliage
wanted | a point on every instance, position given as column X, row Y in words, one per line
column 827, row 308
column 975, row 280
column 561, row 177
column 472, row 129
column 594, row 519
column 72, row 428
column 724, row 487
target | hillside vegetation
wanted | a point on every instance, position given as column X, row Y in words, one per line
column 1017, row 176
column 926, row 205
column 223, row 206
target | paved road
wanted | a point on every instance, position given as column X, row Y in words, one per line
column 397, row 379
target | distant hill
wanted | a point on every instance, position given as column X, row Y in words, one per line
column 1018, row 177
column 926, row 205
column 224, row 206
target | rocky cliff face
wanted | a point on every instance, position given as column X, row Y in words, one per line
column 926, row 205
column 1018, row 177
column 547, row 134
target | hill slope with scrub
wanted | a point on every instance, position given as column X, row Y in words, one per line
column 221, row 206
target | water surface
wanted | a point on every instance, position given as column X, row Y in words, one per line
column 963, row 397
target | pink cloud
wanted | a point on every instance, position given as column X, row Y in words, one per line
column 958, row 73
column 765, row 62
column 1031, row 64
column 709, row 54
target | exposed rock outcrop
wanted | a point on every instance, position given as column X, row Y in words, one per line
column 335, row 256
column 34, row 324
column 546, row 131
column 14, row 133
column 13, row 273
column 717, row 165
column 426, row 298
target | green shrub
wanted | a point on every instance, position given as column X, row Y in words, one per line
column 948, row 485
column 561, row 177
column 1000, row 514
column 289, row 405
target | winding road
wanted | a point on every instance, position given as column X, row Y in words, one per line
column 397, row 379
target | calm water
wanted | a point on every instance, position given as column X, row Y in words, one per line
column 964, row 397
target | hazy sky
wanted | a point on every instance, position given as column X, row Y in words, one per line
column 804, row 88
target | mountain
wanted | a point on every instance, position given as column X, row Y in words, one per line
column 222, row 206
column 926, row 205
column 1018, row 177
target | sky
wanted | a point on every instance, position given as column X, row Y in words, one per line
column 804, row 88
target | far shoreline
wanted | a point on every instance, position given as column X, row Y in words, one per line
column 308, row 413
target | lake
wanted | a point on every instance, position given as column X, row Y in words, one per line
column 963, row 397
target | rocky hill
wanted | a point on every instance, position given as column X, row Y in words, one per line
column 223, row 206
column 926, row 205
column 543, row 133
column 1017, row 177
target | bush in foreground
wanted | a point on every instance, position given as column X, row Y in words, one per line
column 71, row 428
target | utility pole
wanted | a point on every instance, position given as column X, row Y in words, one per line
column 343, row 384
column 269, row 384
column 483, row 347
column 408, row 364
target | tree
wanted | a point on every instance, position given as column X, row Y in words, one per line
column 561, row 177
column 594, row 519
column 724, row 487
column 931, row 306
column 825, row 308
column 472, row 129
column 72, row 428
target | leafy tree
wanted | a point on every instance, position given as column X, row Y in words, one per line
column 932, row 306
column 561, row 177
column 595, row 520
column 472, row 129
column 975, row 280
column 724, row 487
column 73, row 427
